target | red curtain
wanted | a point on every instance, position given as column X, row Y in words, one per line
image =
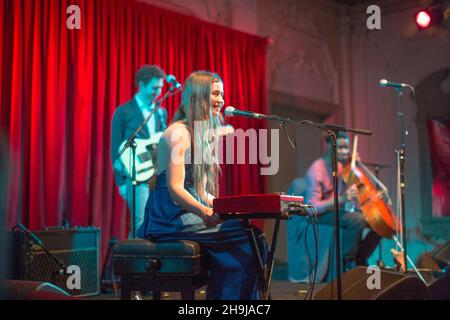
column 439, row 139
column 60, row 87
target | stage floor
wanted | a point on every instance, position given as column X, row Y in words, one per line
column 281, row 289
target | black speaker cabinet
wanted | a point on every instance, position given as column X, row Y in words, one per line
column 442, row 256
column 438, row 283
column 393, row 286
column 30, row 290
column 79, row 247
column 439, row 286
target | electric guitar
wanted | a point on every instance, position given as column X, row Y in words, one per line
column 146, row 157
column 146, row 154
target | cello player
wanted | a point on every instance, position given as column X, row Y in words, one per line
column 319, row 193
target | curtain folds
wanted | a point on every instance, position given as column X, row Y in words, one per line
column 60, row 87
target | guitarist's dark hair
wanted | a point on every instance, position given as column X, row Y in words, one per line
column 148, row 72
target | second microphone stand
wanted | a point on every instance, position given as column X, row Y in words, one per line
column 402, row 186
column 131, row 143
column 332, row 131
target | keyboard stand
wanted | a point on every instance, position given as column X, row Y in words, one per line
column 264, row 271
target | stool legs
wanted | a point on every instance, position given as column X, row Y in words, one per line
column 188, row 290
column 125, row 288
column 185, row 285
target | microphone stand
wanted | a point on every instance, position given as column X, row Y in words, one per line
column 34, row 239
column 131, row 143
column 402, row 161
column 332, row 131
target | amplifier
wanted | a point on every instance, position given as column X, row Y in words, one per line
column 76, row 248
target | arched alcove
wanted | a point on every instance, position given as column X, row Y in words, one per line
column 433, row 103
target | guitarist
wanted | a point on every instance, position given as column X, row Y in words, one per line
column 149, row 80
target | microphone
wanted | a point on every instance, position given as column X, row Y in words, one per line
column 231, row 111
column 171, row 79
column 385, row 83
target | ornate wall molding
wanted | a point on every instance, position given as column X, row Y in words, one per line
column 300, row 60
column 298, row 17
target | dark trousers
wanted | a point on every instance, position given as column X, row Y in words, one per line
column 367, row 247
column 352, row 224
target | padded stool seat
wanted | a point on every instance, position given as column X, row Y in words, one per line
column 166, row 266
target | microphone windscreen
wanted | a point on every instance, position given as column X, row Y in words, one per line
column 229, row 111
column 170, row 78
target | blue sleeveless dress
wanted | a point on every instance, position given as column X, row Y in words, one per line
column 226, row 247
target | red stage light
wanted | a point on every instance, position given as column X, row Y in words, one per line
column 423, row 19
column 429, row 17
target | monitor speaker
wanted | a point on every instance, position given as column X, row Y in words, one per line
column 442, row 256
column 33, row 290
column 356, row 285
column 439, row 286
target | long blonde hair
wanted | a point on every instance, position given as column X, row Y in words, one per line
column 196, row 108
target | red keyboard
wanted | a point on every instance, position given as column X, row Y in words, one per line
column 257, row 203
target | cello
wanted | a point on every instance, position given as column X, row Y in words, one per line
column 373, row 197
column 376, row 206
